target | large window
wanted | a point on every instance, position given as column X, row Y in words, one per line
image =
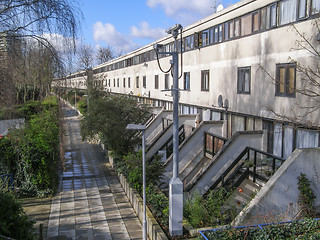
column 205, row 80
column 186, row 81
column 246, row 24
column 315, row 6
column 244, row 79
column 166, row 81
column 285, row 79
column 137, row 82
column 156, row 82
column 288, row 11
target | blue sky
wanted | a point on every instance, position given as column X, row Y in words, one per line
column 128, row 24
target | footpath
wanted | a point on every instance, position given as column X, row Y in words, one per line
column 90, row 202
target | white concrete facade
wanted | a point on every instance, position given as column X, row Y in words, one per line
column 244, row 66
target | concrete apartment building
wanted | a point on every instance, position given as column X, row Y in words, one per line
column 242, row 85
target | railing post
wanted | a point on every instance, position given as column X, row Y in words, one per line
column 205, row 144
column 254, row 166
column 274, row 164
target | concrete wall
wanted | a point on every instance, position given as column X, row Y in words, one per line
column 154, row 231
column 224, row 158
column 5, row 125
column 155, row 127
column 278, row 198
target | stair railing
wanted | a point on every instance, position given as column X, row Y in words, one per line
column 213, row 143
column 250, row 162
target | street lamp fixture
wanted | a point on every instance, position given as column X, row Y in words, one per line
column 142, row 128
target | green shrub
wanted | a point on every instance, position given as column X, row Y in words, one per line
column 82, row 105
column 131, row 167
column 203, row 211
column 306, row 196
column 305, row 229
column 14, row 223
column 31, row 153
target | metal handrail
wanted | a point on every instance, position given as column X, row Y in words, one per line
column 215, row 137
column 230, row 175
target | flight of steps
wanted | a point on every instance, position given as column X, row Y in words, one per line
column 242, row 195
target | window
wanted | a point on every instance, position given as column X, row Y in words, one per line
column 211, row 35
column 226, row 31
column 272, row 16
column 244, row 78
column 166, row 81
column 315, row 6
column 231, row 29
column 288, row 11
column 186, row 81
column 124, row 82
column 216, row 34
column 285, row 79
column 263, row 16
column 109, row 84
column 246, row 24
column 129, row 83
column 144, row 82
column 220, row 32
column 302, row 9
column 114, row 82
column 189, row 43
column 137, row 82
column 156, row 82
column 118, row 82
column 205, row 80
column 255, row 21
column 237, row 28
column 205, row 38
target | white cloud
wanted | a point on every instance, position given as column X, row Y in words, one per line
column 185, row 11
column 108, row 33
column 146, row 32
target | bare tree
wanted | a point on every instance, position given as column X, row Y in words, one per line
column 85, row 57
column 23, row 21
column 104, row 54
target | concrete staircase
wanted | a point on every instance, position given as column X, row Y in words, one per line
column 242, row 195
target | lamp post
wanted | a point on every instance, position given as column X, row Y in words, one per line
column 142, row 128
column 175, row 184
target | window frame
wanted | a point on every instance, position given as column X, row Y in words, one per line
column 166, row 81
column 144, row 82
column 205, row 84
column 286, row 92
column 186, row 84
column 156, row 81
column 241, row 80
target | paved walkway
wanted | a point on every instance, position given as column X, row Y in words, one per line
column 91, row 203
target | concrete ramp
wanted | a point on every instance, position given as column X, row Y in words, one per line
column 278, row 198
